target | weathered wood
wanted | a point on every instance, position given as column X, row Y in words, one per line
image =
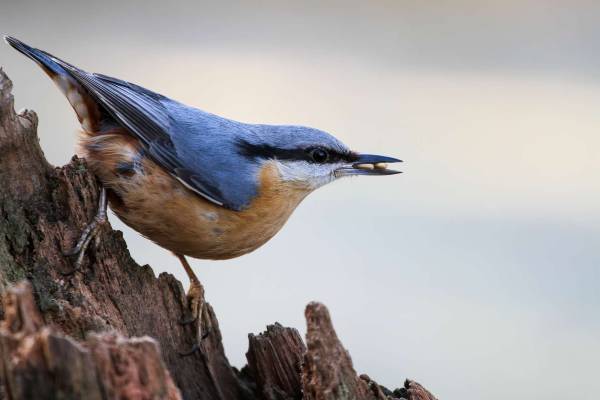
column 328, row 373
column 413, row 391
column 38, row 363
column 275, row 362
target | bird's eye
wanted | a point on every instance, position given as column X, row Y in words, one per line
column 319, row 155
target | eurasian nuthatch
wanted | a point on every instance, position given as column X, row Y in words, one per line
column 194, row 183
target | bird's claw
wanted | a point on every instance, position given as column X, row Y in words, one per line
column 188, row 320
column 83, row 243
column 195, row 299
column 88, row 234
column 196, row 346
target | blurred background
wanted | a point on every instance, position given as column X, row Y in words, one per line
column 477, row 271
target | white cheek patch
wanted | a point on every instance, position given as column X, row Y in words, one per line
column 307, row 174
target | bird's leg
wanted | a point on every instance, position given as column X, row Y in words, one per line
column 89, row 232
column 195, row 298
column 195, row 294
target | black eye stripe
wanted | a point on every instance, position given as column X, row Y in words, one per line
column 302, row 154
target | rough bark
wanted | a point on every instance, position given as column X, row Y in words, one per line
column 328, row 373
column 275, row 362
column 39, row 363
column 73, row 339
column 413, row 391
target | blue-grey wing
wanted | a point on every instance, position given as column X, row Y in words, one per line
column 144, row 114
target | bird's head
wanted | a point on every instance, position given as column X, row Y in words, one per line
column 308, row 158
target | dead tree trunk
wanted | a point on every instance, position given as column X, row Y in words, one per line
column 73, row 339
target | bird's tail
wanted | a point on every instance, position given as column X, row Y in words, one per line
column 48, row 62
column 85, row 107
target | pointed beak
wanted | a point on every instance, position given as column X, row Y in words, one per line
column 368, row 164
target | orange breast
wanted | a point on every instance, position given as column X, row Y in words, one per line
column 155, row 204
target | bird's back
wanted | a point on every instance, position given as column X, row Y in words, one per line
column 197, row 148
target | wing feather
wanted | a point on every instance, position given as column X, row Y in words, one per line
column 143, row 114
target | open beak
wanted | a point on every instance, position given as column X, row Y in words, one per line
column 368, row 164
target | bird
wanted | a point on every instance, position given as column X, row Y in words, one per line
column 195, row 183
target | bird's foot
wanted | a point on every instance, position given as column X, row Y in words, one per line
column 90, row 231
column 196, row 346
column 195, row 301
column 188, row 320
column 195, row 297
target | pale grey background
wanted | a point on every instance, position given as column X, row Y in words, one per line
column 475, row 272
